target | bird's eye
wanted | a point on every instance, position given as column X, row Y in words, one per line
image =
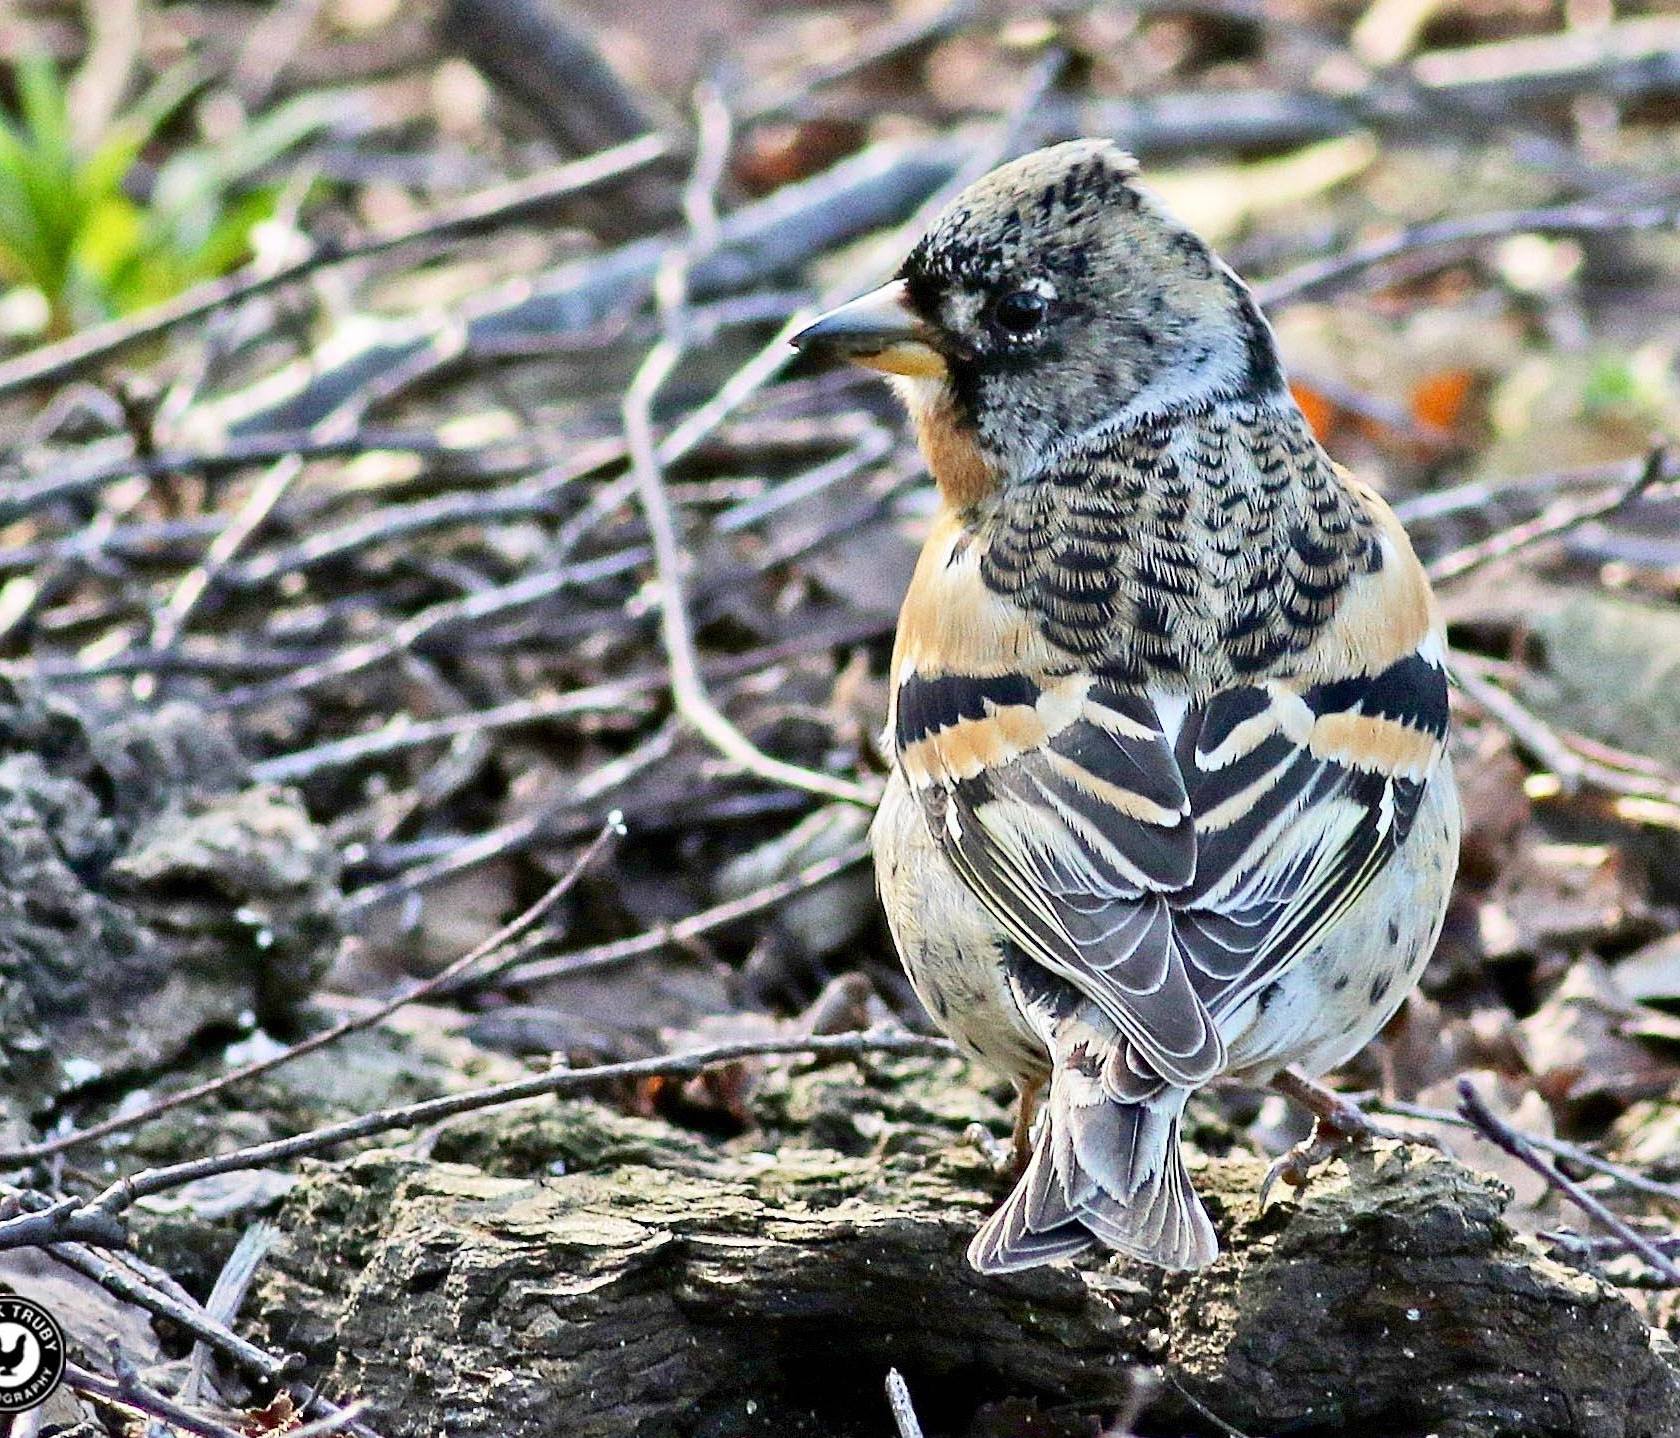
column 1020, row 312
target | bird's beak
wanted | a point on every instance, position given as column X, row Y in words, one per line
column 879, row 330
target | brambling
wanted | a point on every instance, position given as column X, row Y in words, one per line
column 1170, row 796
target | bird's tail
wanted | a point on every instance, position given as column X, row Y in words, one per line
column 1102, row 1171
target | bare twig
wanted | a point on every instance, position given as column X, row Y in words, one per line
column 1481, row 496
column 1599, row 1246
column 1557, row 519
column 1574, row 1153
column 127, row 1391
column 403, row 733
column 509, row 933
column 227, row 1297
column 1529, row 730
column 516, row 833
column 60, row 1220
column 647, row 458
column 664, row 936
column 123, row 1283
column 1504, row 1137
column 1230, row 1430
column 1443, row 240
column 116, row 459
column 426, row 626
column 189, row 593
column 614, row 696
column 903, row 1410
column 688, row 687
column 1653, row 787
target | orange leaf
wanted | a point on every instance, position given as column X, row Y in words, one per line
column 1321, row 413
column 1439, row 400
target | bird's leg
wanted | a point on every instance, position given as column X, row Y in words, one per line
column 1030, row 1094
column 1010, row 1160
column 1339, row 1124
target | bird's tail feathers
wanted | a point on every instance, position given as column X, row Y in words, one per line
column 1103, row 1172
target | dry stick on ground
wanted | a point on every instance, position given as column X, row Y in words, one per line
column 903, row 1410
column 501, row 599
column 648, row 459
column 1645, row 478
column 1561, row 1148
column 123, row 1283
column 1571, row 768
column 615, row 696
column 516, row 970
column 516, row 833
column 127, row 1391
column 401, row 733
column 1444, row 239
column 44, row 586
column 1479, row 496
column 1595, row 1247
column 240, row 529
column 122, row 1194
column 529, row 589
column 67, row 480
column 1503, row 1136
column 388, row 523
column 1207, row 1414
column 688, row 688
column 1642, row 479
column 1529, row 730
column 52, row 1221
column 227, row 1297
column 509, row 933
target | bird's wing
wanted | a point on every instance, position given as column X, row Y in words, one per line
column 1300, row 797
column 1168, row 875
column 1062, row 806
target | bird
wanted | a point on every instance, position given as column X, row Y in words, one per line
column 1170, row 798
column 12, row 1355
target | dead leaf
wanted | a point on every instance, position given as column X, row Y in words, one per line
column 1525, row 1110
column 1439, row 400
column 1652, row 972
column 280, row 1416
column 1579, row 1044
column 1322, row 413
column 1496, row 810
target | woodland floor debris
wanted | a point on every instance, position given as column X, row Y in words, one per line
column 652, row 1283
column 270, row 684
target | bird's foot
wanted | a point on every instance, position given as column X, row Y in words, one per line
column 1009, row 1160
column 999, row 1153
column 1339, row 1125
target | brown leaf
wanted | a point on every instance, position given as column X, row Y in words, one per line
column 1579, row 1044
column 280, row 1416
column 1496, row 810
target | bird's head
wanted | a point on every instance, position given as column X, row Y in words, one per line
column 1052, row 298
